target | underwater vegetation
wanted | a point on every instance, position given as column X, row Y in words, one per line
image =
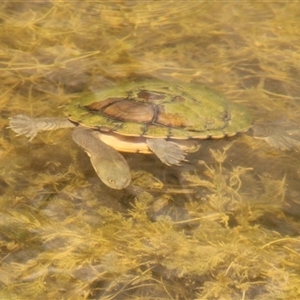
column 225, row 225
column 212, row 247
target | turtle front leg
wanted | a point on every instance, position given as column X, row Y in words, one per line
column 30, row 127
column 168, row 152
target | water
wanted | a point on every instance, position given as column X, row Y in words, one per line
column 223, row 226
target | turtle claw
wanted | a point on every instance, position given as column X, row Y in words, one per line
column 280, row 134
column 168, row 152
column 23, row 125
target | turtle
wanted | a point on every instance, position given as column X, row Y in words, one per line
column 152, row 116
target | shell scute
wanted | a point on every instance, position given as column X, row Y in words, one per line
column 130, row 111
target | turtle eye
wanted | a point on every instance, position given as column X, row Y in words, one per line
column 111, row 180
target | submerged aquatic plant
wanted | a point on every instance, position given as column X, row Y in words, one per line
column 93, row 251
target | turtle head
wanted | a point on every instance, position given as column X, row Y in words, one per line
column 110, row 166
column 114, row 173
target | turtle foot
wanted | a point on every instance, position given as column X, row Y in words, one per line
column 280, row 134
column 168, row 152
column 25, row 125
column 30, row 127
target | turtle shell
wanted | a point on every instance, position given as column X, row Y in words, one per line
column 159, row 109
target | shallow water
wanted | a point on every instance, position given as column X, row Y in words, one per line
column 225, row 225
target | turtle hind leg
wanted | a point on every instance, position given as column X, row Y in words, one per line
column 22, row 124
column 168, row 152
column 280, row 134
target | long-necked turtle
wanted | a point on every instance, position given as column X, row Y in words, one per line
column 152, row 116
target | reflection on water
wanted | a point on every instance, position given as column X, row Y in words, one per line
column 223, row 226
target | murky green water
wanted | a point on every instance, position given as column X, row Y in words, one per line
column 225, row 225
